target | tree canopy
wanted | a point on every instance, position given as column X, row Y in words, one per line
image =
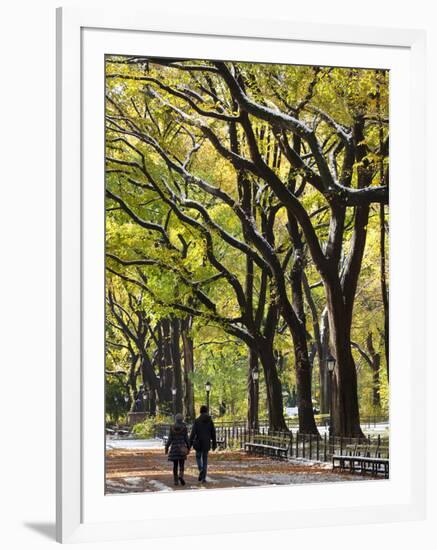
column 247, row 232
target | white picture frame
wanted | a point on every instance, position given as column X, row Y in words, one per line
column 83, row 514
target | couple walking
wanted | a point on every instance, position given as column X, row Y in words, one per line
column 178, row 445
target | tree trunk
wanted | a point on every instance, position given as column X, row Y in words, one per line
column 321, row 339
column 176, row 361
column 188, row 348
column 307, row 423
column 252, row 391
column 345, row 413
column 341, row 298
column 384, row 178
column 152, row 402
column 133, row 382
column 325, row 395
column 384, row 289
column 376, row 396
column 375, row 365
column 273, row 386
column 166, row 375
column 264, row 335
column 150, row 381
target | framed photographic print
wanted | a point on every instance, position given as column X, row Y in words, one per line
column 240, row 257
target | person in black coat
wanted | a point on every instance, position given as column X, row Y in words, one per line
column 201, row 437
column 178, row 447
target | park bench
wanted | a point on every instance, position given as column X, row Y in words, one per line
column 359, row 458
column 349, row 459
column 376, row 464
column 120, row 432
column 264, row 449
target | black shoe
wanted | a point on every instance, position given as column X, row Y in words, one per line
column 182, row 480
column 176, row 481
column 200, row 478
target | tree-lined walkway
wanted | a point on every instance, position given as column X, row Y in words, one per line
column 247, row 241
column 144, row 470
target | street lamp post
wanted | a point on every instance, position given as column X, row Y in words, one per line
column 173, row 393
column 330, row 362
column 207, row 389
column 255, row 376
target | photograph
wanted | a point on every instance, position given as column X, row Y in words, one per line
column 247, row 274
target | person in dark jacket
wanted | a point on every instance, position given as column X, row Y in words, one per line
column 201, row 437
column 178, row 447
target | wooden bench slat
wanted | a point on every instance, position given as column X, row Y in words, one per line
column 356, row 461
column 271, row 450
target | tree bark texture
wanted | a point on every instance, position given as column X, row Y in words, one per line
column 252, row 391
column 188, row 354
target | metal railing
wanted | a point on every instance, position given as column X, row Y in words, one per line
column 310, row 447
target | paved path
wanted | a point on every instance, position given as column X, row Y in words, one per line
column 134, row 443
column 147, row 469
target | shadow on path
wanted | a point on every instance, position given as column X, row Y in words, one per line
column 47, row 530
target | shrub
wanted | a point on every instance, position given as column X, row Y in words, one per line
column 145, row 429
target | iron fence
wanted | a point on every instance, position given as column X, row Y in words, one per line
column 310, row 447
